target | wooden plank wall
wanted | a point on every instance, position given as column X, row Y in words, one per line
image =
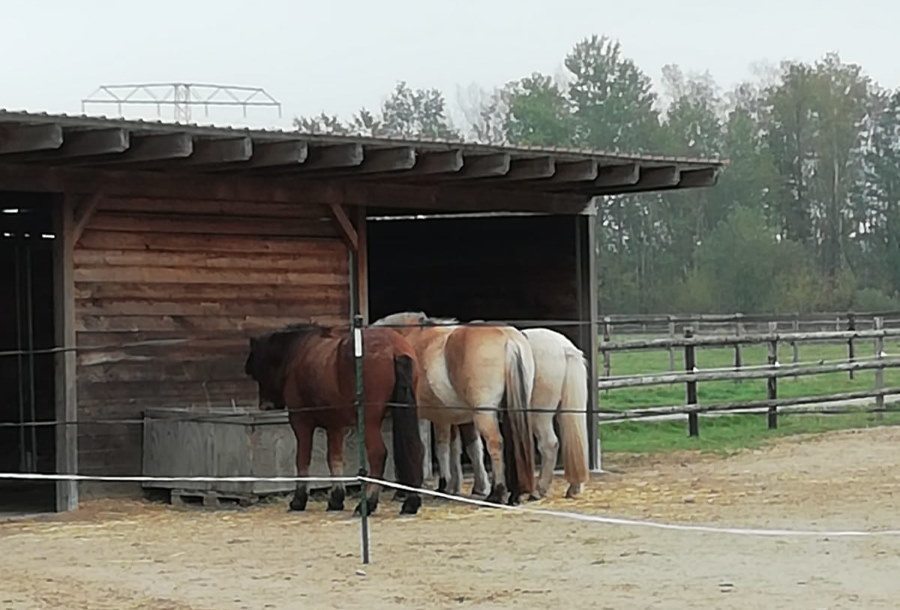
column 211, row 272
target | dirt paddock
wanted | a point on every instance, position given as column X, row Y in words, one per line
column 114, row 554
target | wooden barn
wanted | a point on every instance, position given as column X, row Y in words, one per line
column 156, row 249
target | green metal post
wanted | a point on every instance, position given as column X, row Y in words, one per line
column 359, row 402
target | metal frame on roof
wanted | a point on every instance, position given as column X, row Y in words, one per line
column 101, row 143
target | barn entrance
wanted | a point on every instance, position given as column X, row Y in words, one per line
column 27, row 379
column 532, row 268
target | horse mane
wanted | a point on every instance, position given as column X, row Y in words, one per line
column 410, row 318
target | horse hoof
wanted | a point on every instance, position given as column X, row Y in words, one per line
column 534, row 497
column 573, row 491
column 442, row 485
column 336, row 500
column 399, row 495
column 496, row 495
column 513, row 500
column 480, row 493
column 298, row 502
column 411, row 505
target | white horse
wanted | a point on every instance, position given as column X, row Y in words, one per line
column 561, row 390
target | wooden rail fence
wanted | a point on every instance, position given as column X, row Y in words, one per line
column 772, row 371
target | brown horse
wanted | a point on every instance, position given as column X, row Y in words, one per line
column 310, row 371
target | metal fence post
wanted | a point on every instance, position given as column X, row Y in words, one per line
column 772, row 382
column 690, row 364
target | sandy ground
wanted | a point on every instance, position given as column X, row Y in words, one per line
column 114, row 554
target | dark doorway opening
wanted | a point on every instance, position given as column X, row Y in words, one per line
column 488, row 267
column 27, row 379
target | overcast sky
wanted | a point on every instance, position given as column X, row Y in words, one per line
column 337, row 56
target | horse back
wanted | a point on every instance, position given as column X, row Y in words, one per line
column 476, row 363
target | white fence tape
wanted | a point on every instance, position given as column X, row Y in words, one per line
column 473, row 502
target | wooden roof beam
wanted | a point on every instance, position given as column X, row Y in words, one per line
column 28, row 138
column 79, row 143
column 698, row 178
column 575, row 171
column 277, row 156
column 334, row 156
column 445, row 162
column 269, row 154
column 649, row 179
column 220, row 151
column 380, row 160
column 536, row 168
column 150, row 147
column 483, row 166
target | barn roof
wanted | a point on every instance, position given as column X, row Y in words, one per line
column 99, row 143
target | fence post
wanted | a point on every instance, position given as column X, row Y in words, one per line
column 772, row 382
column 671, row 348
column 690, row 363
column 879, row 372
column 607, row 357
column 851, row 352
column 795, row 348
column 738, row 358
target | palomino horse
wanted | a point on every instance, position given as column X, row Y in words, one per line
column 560, row 389
column 472, row 373
column 310, row 371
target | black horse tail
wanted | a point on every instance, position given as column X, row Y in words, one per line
column 408, row 450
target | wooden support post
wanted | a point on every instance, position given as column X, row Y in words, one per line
column 879, row 372
column 772, row 382
column 738, row 355
column 690, row 364
column 671, row 348
column 851, row 351
column 65, row 361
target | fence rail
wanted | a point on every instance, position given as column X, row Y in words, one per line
column 739, row 323
column 772, row 371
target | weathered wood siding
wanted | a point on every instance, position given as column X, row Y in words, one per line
column 207, row 272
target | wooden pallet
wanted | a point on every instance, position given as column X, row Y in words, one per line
column 211, row 499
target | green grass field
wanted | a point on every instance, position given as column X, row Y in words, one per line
column 727, row 433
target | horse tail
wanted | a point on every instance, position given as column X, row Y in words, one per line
column 407, row 443
column 573, row 421
column 520, row 444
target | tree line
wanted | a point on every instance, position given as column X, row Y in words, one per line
column 806, row 216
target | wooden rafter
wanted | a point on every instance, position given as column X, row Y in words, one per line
column 82, row 214
column 347, row 229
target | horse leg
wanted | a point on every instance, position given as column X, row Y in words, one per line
column 455, row 461
column 304, row 434
column 442, row 442
column 336, row 467
column 548, row 445
column 475, row 450
column 376, row 452
column 488, row 427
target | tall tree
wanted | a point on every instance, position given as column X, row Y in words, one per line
column 537, row 112
column 612, row 99
column 882, row 220
column 406, row 113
